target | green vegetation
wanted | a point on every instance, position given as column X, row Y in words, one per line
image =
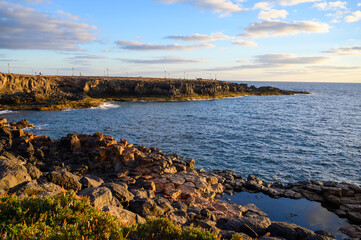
column 67, row 216
column 164, row 229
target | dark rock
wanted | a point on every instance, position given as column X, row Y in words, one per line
column 12, row 172
column 91, row 181
column 126, row 217
column 24, row 124
column 208, row 214
column 254, row 179
column 145, row 207
column 252, row 226
column 33, row 171
column 142, row 193
column 164, row 204
column 180, row 206
column 179, row 217
column 99, row 197
column 65, row 179
column 119, row 191
column 289, row 231
column 35, row 188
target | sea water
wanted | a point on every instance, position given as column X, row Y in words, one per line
column 278, row 138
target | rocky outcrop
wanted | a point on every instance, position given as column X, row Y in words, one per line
column 55, row 93
column 136, row 182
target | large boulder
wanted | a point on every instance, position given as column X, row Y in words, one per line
column 99, row 197
column 35, row 188
column 12, row 172
column 65, row 179
column 91, row 181
column 252, row 226
column 126, row 217
column 33, row 171
column 119, row 191
column 145, row 207
column 289, row 231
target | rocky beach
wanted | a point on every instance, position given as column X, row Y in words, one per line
column 30, row 92
column 137, row 182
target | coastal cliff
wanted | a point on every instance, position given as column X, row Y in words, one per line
column 136, row 182
column 56, row 93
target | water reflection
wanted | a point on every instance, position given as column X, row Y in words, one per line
column 302, row 212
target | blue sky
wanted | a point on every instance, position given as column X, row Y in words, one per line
column 265, row 40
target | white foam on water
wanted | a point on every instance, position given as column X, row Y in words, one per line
column 6, row 111
column 106, row 106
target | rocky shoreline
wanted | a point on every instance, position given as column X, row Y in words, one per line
column 30, row 92
column 136, row 182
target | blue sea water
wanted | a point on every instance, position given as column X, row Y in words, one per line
column 278, row 138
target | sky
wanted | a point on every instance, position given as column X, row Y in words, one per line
column 244, row 40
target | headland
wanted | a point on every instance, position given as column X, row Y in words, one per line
column 44, row 93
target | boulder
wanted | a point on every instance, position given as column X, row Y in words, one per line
column 99, row 197
column 126, row 217
column 33, row 171
column 91, row 181
column 65, row 179
column 35, row 188
column 145, row 207
column 119, row 191
column 24, row 124
column 252, row 226
column 289, row 231
column 178, row 217
column 12, row 172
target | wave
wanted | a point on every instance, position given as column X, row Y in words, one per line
column 38, row 127
column 6, row 111
column 106, row 106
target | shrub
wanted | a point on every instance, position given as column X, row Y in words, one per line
column 164, row 229
column 64, row 216
column 67, row 216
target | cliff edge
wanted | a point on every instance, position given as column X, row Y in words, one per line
column 31, row 92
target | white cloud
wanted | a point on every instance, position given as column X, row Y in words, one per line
column 36, row 1
column 287, row 59
column 324, row 6
column 88, row 57
column 272, row 14
column 294, row 2
column 276, row 60
column 27, row 28
column 161, row 60
column 359, row 4
column 263, row 6
column 138, row 46
column 355, row 50
column 224, row 7
column 69, row 16
column 271, row 28
column 200, row 37
column 354, row 17
column 241, row 42
column 337, row 16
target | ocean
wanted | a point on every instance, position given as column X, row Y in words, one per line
column 278, row 138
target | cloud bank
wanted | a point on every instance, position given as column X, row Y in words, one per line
column 354, row 17
column 273, row 14
column 138, row 46
column 200, row 37
column 224, row 7
column 161, row 60
column 27, row 28
column 271, row 28
column 355, row 50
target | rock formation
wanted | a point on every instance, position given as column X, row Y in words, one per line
column 56, row 93
column 136, row 182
